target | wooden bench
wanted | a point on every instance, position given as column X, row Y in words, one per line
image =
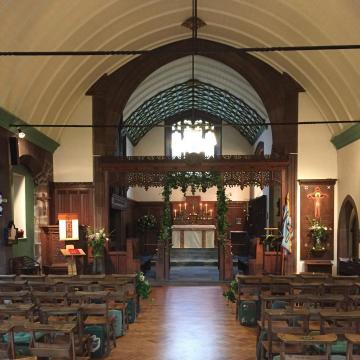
column 303, row 341
column 52, row 349
column 352, row 339
column 277, row 322
column 7, row 349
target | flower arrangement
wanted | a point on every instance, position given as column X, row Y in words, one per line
column 318, row 234
column 272, row 239
column 146, row 222
column 143, row 287
column 96, row 240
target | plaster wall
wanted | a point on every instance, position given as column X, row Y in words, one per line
column 73, row 160
column 317, row 159
column 349, row 174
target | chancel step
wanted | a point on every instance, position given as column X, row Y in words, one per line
column 194, row 257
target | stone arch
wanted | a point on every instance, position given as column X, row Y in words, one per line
column 348, row 230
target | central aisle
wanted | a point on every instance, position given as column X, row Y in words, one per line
column 186, row 323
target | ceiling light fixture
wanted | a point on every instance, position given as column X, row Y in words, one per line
column 21, row 134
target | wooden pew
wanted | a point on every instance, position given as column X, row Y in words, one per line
column 7, row 349
column 305, row 340
column 53, row 349
column 277, row 322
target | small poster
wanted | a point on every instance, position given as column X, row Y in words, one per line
column 68, row 226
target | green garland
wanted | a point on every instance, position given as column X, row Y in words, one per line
column 165, row 228
column 196, row 180
column 221, row 209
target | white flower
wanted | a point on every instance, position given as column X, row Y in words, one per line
column 141, row 277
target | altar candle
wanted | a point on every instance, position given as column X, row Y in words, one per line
column 206, row 208
column 200, row 206
column 210, row 212
column 185, row 206
column 193, row 208
column 180, row 207
column 175, row 212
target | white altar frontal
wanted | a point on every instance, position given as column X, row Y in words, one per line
column 193, row 236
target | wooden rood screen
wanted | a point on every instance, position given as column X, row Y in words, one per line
column 152, row 171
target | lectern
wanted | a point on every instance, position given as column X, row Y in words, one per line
column 69, row 230
column 71, row 253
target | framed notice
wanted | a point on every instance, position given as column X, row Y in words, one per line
column 68, row 226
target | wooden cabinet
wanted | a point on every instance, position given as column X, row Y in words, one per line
column 320, row 266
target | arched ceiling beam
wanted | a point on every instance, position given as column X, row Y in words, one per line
column 208, row 98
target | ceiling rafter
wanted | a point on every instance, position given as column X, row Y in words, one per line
column 207, row 98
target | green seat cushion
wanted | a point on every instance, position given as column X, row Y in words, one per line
column 23, row 337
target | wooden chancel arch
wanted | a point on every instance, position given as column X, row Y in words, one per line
column 233, row 170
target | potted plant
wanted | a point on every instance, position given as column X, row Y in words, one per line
column 271, row 241
column 318, row 233
column 143, row 287
column 146, row 223
column 96, row 241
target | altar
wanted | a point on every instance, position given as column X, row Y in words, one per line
column 193, row 236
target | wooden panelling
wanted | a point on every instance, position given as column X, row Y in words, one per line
column 237, row 215
column 73, row 198
column 149, row 239
column 116, row 263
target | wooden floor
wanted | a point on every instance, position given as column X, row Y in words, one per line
column 186, row 323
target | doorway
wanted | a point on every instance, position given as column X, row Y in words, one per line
column 348, row 232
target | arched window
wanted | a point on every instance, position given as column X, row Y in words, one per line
column 187, row 137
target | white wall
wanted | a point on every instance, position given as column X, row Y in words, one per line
column 266, row 137
column 19, row 201
column 233, row 143
column 73, row 160
column 349, row 173
column 317, row 159
column 129, row 148
column 152, row 144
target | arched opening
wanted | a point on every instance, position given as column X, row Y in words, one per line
column 348, row 231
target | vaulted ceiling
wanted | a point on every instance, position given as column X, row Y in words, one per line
column 207, row 98
column 48, row 89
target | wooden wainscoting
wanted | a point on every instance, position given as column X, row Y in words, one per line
column 73, row 198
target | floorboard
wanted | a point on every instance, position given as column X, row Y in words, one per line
column 186, row 323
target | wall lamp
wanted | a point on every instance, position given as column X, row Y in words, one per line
column 21, row 134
